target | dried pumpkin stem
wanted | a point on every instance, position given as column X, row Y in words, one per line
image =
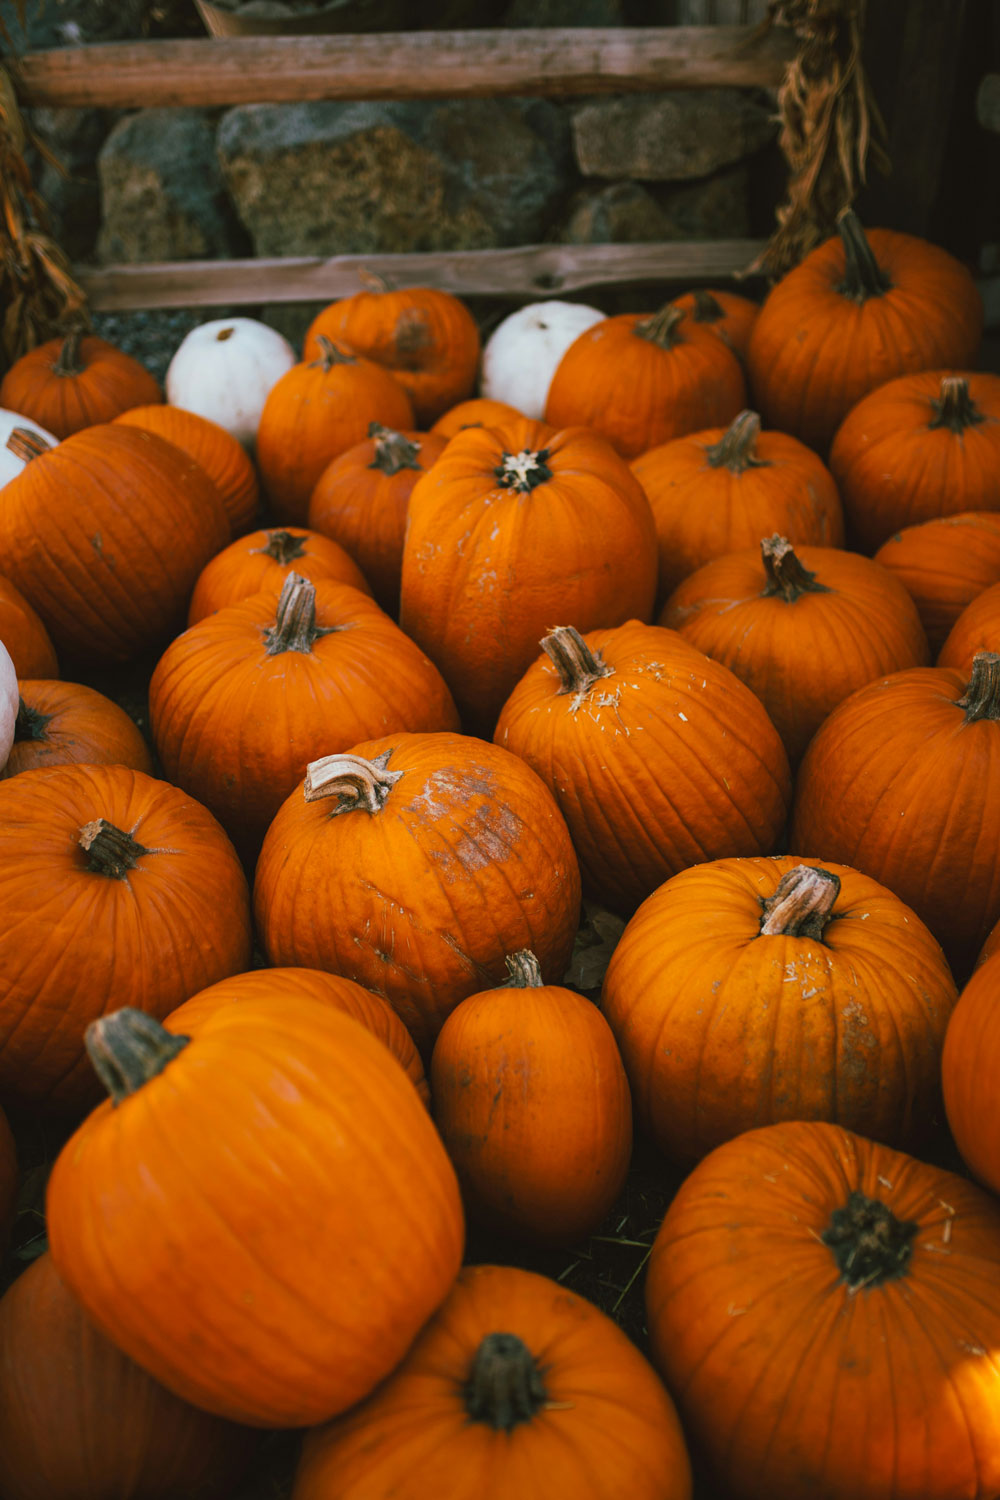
column 863, row 276
column 662, row 327
column 785, row 573
column 578, row 667
column 69, row 361
column 372, row 281
column 524, row 969
column 295, row 627
column 393, row 451
column 26, row 445
column 30, row 723
column 802, row 903
column 505, row 1385
column 128, row 1048
column 283, row 547
column 357, row 784
column 110, row 851
column 736, row 448
column 954, row 408
column 523, row 471
column 331, row 354
column 869, row 1243
column 706, row 309
column 981, row 699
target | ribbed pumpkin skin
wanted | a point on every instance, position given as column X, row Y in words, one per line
column 107, row 382
column 488, row 569
column 669, row 762
column 360, row 501
column 79, row 1421
column 75, row 944
column 970, row 1072
column 250, row 566
column 803, row 656
column 704, row 511
column 637, row 395
column 24, row 635
column 468, row 860
column 976, row 629
column 313, row 413
column 426, row 338
column 478, row 411
column 532, row 1103
column 794, row 1385
column 815, row 352
column 8, row 1178
column 943, row 564
column 66, row 723
column 726, row 314
column 224, row 459
column 898, row 784
column 105, row 536
column 375, row 1014
column 894, row 467
column 273, row 1277
column 723, row 1028
column 236, row 727
column 610, row 1430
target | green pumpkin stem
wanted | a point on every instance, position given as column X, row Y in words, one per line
column 295, row 627
column 706, row 309
column 26, row 445
column 357, row 784
column 661, row 328
column 802, row 903
column 284, row 547
column 578, row 667
column 30, row 723
column 68, row 360
column 505, row 1385
column 110, row 851
column 331, row 354
column 981, row 699
column 736, row 449
column 393, row 451
column 863, row 276
column 869, row 1243
column 954, row 407
column 128, row 1048
column 524, row 471
column 786, row 576
column 524, row 969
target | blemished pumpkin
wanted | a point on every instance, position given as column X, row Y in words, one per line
column 943, row 564
column 658, row 757
column 272, row 1276
column 532, row 1103
column 640, row 380
column 512, row 531
column 917, row 448
column 375, row 1014
column 425, row 337
column 414, row 865
column 516, row 1387
column 478, row 411
column 223, row 458
column 902, row 782
column 244, row 700
column 859, row 310
column 8, row 1179
column 262, row 560
column 24, row 635
column 76, row 381
column 79, row 1421
column 729, row 316
column 976, row 629
column 970, row 1071
column 65, row 723
column 224, row 370
column 823, row 1311
column 523, row 352
column 144, row 901
column 802, row 627
column 721, row 490
column 747, row 991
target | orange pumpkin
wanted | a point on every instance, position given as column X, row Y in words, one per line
column 823, row 1311
column 260, row 563
column 729, row 316
column 76, row 381
column 515, row 1387
column 640, row 380
column 64, row 723
column 720, row 491
column 78, row 1420
column 858, row 311
column 532, row 1103
column 747, row 991
column 224, row 459
column 279, row 1274
column 8, row 1179
column 478, row 411
column 976, row 629
column 24, row 635
column 943, row 564
column 970, row 1071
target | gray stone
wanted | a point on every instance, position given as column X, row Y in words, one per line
column 68, row 184
column 163, row 195
column 716, row 208
column 622, row 214
column 525, row 13
column 327, row 178
column 669, row 137
column 627, row 213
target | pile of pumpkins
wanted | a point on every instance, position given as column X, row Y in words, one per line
column 633, row 610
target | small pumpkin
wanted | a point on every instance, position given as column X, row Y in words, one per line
column 76, row 381
column 8, row 1179
column 261, row 561
column 24, row 635
column 943, row 564
column 522, row 353
column 976, row 629
column 969, row 1071
column 729, row 316
column 65, row 723
column 478, row 411
column 220, row 454
column 224, row 370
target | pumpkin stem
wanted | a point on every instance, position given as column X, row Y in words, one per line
column 706, row 309
column 331, row 354
column 295, row 627
column 954, row 408
column 68, row 361
column 284, row 547
column 802, row 903
column 26, row 445
column 372, row 281
column 355, row 782
column 578, row 667
column 505, row 1384
column 661, row 328
column 110, row 851
column 735, row 448
column 523, row 471
column 981, row 699
column 524, row 969
column 128, row 1048
column 30, row 723
column 393, row 451
column 869, row 1243
column 785, row 573
column 863, row 276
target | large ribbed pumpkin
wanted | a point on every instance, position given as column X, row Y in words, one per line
column 658, row 757
column 516, row 1388
column 478, row 411
column 76, row 381
column 270, row 1275
column 824, row 1311
column 414, row 865
column 24, row 635
column 79, row 1421
column 976, row 629
column 114, row 887
column 728, row 315
column 223, row 458
column 261, row 561
column 511, row 533
column 971, row 1072
column 746, row 991
column 943, row 564
column 66, row 723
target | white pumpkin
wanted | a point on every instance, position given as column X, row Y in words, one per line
column 522, row 352
column 224, row 370
column 10, row 701
column 11, row 462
